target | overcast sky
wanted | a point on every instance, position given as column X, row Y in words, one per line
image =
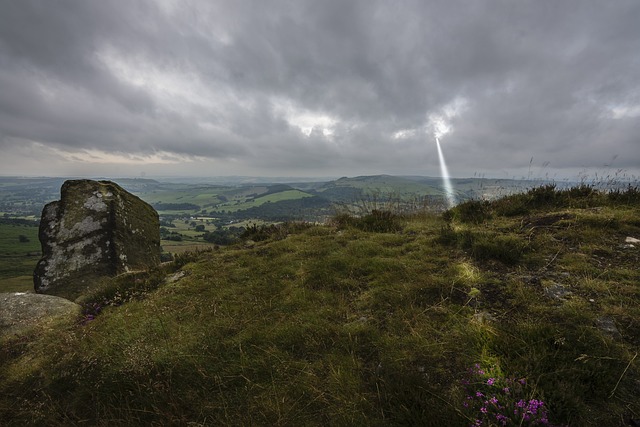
column 319, row 88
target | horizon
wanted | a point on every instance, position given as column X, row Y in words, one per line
column 583, row 178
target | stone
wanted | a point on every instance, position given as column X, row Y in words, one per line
column 483, row 317
column 631, row 240
column 97, row 229
column 21, row 311
column 557, row 291
column 608, row 326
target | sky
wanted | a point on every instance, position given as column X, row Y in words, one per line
column 539, row 89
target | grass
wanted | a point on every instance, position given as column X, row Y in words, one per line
column 353, row 324
column 10, row 244
column 18, row 258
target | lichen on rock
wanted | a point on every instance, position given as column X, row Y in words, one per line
column 97, row 229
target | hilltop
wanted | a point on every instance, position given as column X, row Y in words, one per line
column 379, row 319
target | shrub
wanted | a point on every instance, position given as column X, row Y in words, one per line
column 273, row 231
column 629, row 196
column 447, row 235
column 511, row 206
column 543, row 196
column 474, row 211
column 221, row 236
column 378, row 221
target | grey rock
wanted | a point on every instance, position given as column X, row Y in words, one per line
column 21, row 311
column 608, row 326
column 175, row 277
column 97, row 229
column 483, row 317
column 557, row 291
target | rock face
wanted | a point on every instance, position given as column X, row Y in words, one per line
column 96, row 229
column 20, row 311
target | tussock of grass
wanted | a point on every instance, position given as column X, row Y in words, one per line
column 354, row 324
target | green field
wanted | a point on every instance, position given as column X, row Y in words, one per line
column 18, row 259
column 270, row 198
column 10, row 244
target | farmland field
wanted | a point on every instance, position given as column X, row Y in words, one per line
column 18, row 257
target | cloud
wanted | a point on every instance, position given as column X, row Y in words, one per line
column 332, row 87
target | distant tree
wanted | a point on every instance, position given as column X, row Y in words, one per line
column 166, row 223
column 23, row 239
column 200, row 227
column 221, row 237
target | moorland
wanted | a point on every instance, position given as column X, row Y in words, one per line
column 521, row 310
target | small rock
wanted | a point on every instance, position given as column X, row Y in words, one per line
column 533, row 280
column 608, row 326
column 631, row 240
column 483, row 317
column 557, row 291
column 175, row 277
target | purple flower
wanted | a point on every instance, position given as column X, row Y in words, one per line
column 506, row 390
column 479, row 394
column 483, row 410
column 493, row 400
column 490, row 381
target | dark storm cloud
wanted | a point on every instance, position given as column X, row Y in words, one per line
column 335, row 86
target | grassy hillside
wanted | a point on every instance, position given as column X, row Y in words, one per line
column 520, row 310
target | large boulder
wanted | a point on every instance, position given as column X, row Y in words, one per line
column 97, row 229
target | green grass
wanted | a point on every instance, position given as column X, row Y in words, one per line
column 18, row 283
column 351, row 325
column 18, row 259
column 10, row 244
